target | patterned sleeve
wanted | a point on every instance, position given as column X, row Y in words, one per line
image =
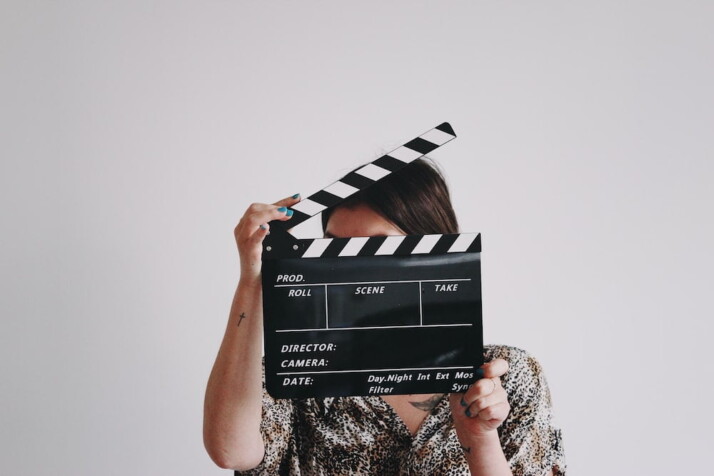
column 531, row 442
column 276, row 428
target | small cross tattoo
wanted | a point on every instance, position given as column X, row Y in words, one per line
column 242, row 316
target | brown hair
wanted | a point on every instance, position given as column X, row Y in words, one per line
column 415, row 198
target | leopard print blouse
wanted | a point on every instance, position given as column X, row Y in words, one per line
column 364, row 435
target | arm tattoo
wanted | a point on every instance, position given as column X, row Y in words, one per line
column 467, row 449
column 242, row 316
column 429, row 404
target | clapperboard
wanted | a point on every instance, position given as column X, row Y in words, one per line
column 384, row 315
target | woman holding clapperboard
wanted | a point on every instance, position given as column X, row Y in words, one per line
column 502, row 425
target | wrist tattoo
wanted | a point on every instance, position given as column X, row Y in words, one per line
column 429, row 404
column 242, row 316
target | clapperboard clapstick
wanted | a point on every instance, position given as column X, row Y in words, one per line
column 381, row 315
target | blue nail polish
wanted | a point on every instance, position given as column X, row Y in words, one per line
column 289, row 213
column 463, row 403
column 263, row 227
column 296, row 195
column 479, row 374
column 468, row 413
column 282, row 209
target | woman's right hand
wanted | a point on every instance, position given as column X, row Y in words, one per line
column 252, row 229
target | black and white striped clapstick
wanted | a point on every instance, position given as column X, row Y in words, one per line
column 281, row 244
column 371, row 173
column 397, row 245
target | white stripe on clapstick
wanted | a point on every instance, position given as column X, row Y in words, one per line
column 308, row 207
column 373, row 172
column 405, row 154
column 390, row 245
column 317, row 247
column 462, row 243
column 426, row 244
column 341, row 189
column 353, row 246
column 435, row 136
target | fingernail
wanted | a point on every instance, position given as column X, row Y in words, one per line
column 282, row 209
column 289, row 213
column 263, row 227
column 479, row 374
column 296, row 195
column 468, row 413
column 463, row 403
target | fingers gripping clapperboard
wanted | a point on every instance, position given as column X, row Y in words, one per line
column 383, row 315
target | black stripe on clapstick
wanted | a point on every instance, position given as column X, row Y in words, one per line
column 420, row 145
column 334, row 248
column 475, row 246
column 372, row 245
column 389, row 163
column 446, row 127
column 297, row 218
column 442, row 246
column 407, row 245
column 325, row 198
column 305, row 244
column 357, row 180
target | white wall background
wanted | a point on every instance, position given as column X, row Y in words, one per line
column 135, row 134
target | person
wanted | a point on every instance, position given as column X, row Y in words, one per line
column 502, row 425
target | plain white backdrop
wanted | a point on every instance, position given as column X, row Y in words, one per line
column 136, row 133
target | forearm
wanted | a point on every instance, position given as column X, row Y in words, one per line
column 233, row 401
column 485, row 456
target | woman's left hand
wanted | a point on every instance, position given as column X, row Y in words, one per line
column 481, row 410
